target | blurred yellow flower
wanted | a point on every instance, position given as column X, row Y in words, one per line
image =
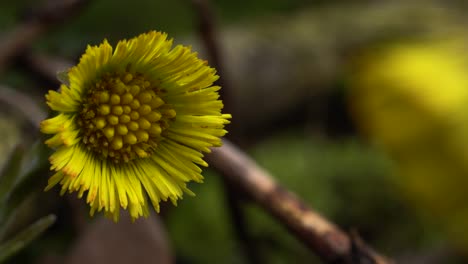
column 412, row 99
column 132, row 124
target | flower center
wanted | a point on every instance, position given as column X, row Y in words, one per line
column 123, row 117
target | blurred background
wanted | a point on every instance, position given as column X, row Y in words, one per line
column 358, row 107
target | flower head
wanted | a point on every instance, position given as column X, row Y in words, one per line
column 132, row 123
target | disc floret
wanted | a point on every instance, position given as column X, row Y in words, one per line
column 123, row 117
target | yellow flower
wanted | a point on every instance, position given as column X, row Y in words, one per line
column 412, row 99
column 132, row 124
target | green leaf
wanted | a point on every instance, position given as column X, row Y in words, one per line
column 26, row 182
column 10, row 172
column 22, row 190
column 21, row 240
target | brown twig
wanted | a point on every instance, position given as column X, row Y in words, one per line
column 327, row 240
column 330, row 243
column 207, row 32
column 34, row 25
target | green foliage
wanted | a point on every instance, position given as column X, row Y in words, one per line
column 12, row 246
column 199, row 226
column 17, row 182
column 9, row 174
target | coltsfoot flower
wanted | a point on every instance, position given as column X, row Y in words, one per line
column 132, row 123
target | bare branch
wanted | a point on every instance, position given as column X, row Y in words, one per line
column 323, row 237
column 39, row 21
column 208, row 34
